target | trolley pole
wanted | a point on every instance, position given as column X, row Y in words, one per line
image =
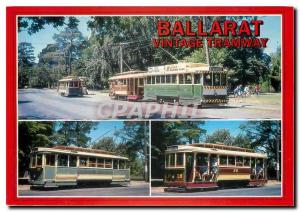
column 206, row 46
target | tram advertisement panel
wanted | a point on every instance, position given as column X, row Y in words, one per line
column 150, row 106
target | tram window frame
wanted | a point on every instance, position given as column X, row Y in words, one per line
column 108, row 163
column 49, row 159
column 199, row 162
column 153, row 80
column 223, row 157
column 205, row 82
column 197, row 79
column 179, row 159
column 172, row 159
column 157, row 79
column 100, row 163
column 163, row 79
column 246, row 159
column 83, row 159
column 181, row 78
column 92, row 162
column 229, row 160
column 149, row 81
column 39, row 160
column 239, row 161
column 216, row 76
column 122, row 164
column 33, row 161
column 72, row 159
column 62, row 160
column 115, row 164
column 168, row 79
column 141, row 82
column 187, row 80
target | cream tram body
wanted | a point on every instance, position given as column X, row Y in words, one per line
column 69, row 166
column 213, row 165
column 71, row 86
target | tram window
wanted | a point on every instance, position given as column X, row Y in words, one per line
column 216, row 79
column 179, row 159
column 50, row 160
column 121, row 164
column 92, row 162
column 188, row 78
column 141, row 82
column 83, row 161
column 239, row 161
column 157, row 79
column 100, row 162
column 202, row 159
column 108, row 163
column 252, row 162
column 259, row 162
column 180, row 79
column 72, row 161
column 163, row 79
column 75, row 84
column 223, row 160
column 207, row 79
column 70, row 84
column 197, row 79
column 247, row 161
column 223, row 79
column 231, row 161
column 62, row 160
column 172, row 159
column 173, row 78
column 148, row 80
column 168, row 79
column 152, row 80
column 213, row 160
column 115, row 164
column 33, row 160
column 39, row 160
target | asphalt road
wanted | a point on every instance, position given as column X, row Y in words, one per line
column 268, row 190
column 134, row 189
column 47, row 104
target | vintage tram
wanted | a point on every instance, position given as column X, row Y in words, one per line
column 203, row 166
column 181, row 83
column 70, row 166
column 71, row 86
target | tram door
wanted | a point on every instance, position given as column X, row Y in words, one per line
column 189, row 167
column 197, row 86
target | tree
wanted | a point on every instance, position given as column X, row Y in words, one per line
column 32, row 134
column 73, row 133
column 25, row 63
column 35, row 24
column 275, row 73
column 70, row 42
column 220, row 136
column 107, row 144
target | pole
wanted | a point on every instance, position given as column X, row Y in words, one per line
column 206, row 46
column 146, row 153
column 277, row 154
column 121, row 58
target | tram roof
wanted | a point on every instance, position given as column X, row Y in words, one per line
column 216, row 149
column 128, row 74
column 72, row 78
column 80, row 151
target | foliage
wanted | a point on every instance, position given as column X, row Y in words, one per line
column 275, row 72
column 25, row 63
column 220, row 136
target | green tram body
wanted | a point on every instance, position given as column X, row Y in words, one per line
column 182, row 83
column 70, row 166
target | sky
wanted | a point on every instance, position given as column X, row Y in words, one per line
column 231, row 125
column 271, row 29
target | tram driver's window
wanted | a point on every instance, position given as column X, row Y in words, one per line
column 163, row 79
column 188, row 78
column 100, row 162
column 108, row 163
column 216, row 79
column 50, row 160
column 223, row 160
column 92, row 162
column 72, row 161
column 39, row 160
column 239, row 161
column 179, row 159
column 121, row 164
column 180, row 78
column 62, row 160
column 202, row 159
column 246, row 161
column 33, row 161
column 207, row 79
column 172, row 159
column 197, row 79
column 168, row 79
column 83, row 162
column 231, row 160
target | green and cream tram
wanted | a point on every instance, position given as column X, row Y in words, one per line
column 71, row 86
column 70, row 166
column 200, row 166
column 182, row 83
